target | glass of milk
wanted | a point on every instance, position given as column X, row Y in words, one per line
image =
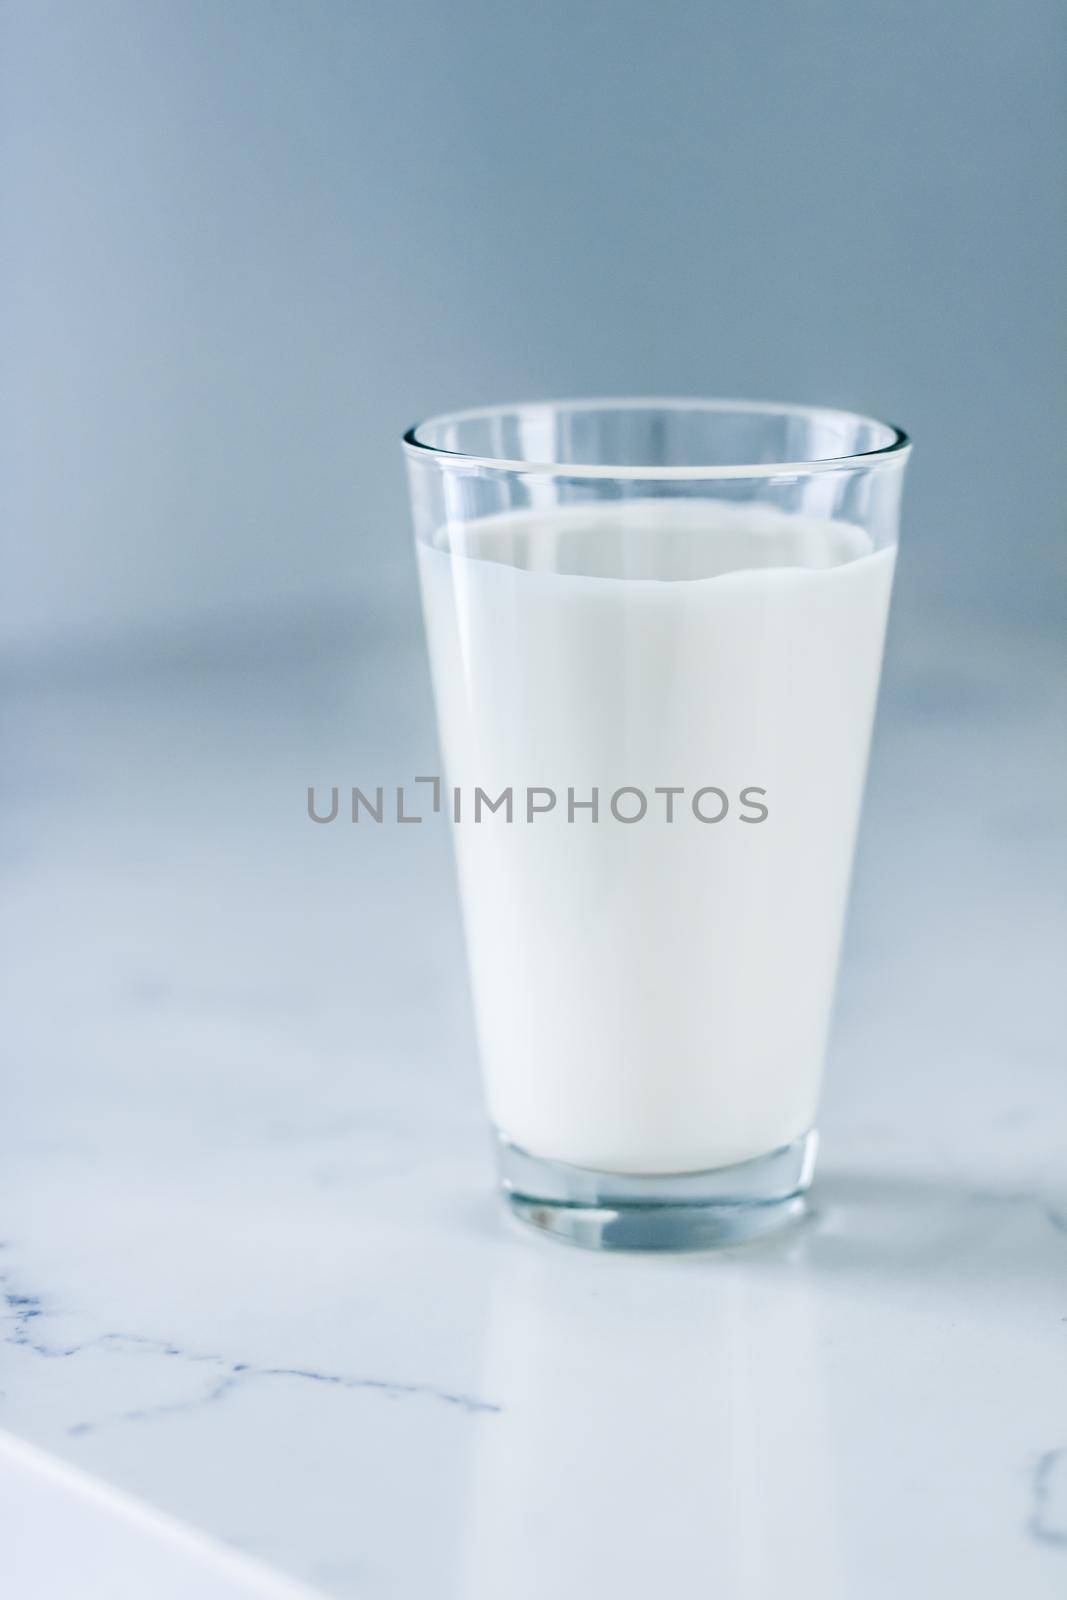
column 655, row 630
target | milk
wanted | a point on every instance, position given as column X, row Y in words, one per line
column 654, row 996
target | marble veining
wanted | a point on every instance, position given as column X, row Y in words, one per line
column 1048, row 1521
column 1053, row 1214
column 25, row 1309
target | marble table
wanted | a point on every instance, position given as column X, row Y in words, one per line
column 253, row 1270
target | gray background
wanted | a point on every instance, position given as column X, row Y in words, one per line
column 247, row 242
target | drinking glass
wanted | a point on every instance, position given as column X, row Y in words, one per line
column 655, row 631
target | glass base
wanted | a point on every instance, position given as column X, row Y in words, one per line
column 684, row 1211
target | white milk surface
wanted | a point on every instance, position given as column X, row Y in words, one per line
column 654, row 997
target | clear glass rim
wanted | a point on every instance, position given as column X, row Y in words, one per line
column 897, row 445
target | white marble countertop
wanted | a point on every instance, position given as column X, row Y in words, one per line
column 252, row 1265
